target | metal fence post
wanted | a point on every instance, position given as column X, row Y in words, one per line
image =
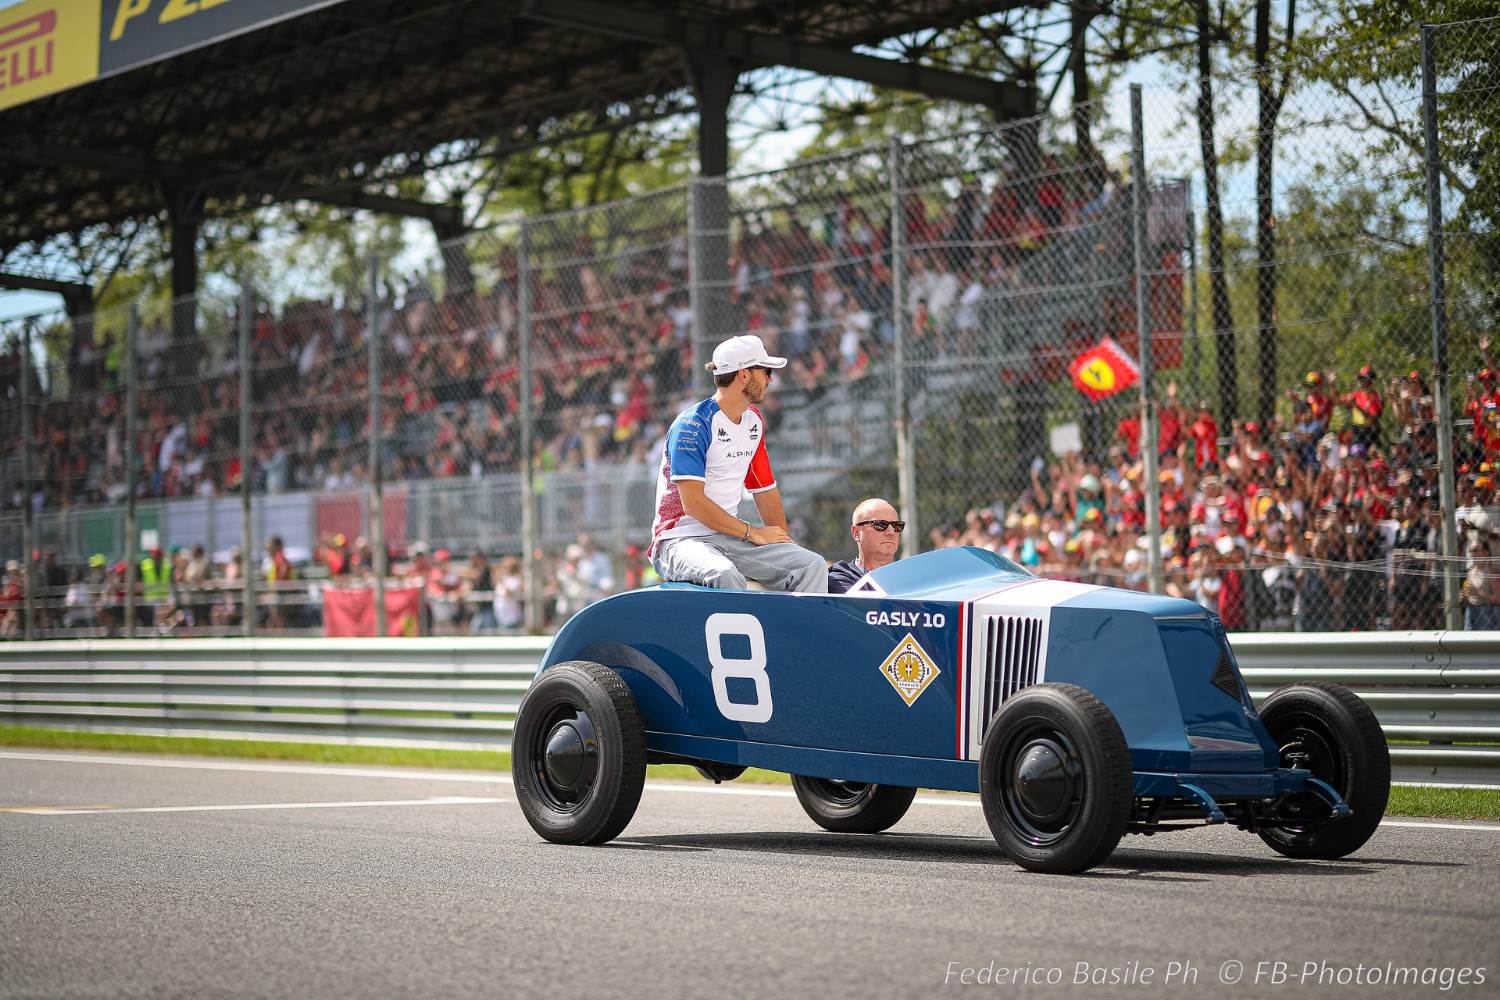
column 1138, row 204
column 377, row 471
column 132, row 571
column 1447, row 490
column 708, row 256
column 1195, row 354
column 529, row 534
column 247, row 537
column 698, row 346
column 28, row 513
column 906, row 472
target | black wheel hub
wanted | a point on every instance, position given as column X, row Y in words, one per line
column 1045, row 783
column 1043, row 786
column 568, row 762
column 1310, row 747
column 843, row 793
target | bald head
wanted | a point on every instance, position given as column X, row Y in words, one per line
column 873, row 508
column 876, row 548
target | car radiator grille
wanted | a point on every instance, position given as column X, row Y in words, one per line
column 1013, row 648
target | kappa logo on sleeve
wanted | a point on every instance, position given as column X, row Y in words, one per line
column 909, row 669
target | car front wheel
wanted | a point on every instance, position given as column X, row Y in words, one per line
column 1055, row 779
column 1330, row 731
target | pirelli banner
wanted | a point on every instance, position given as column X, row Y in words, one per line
column 51, row 45
column 47, row 46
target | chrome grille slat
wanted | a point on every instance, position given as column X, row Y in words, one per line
column 1012, row 647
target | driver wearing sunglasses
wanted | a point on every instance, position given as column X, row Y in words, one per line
column 877, row 538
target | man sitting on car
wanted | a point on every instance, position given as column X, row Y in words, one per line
column 714, row 451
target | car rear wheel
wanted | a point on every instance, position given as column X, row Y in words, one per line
column 579, row 754
column 852, row 806
column 1330, row 731
column 1055, row 779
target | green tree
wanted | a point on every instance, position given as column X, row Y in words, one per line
column 1376, row 67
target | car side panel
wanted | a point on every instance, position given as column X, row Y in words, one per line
column 1118, row 656
column 820, row 682
column 1156, row 676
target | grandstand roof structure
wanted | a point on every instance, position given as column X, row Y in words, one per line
column 229, row 106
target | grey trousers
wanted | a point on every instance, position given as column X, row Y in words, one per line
column 726, row 563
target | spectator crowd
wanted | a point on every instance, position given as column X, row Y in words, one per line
column 1325, row 518
column 1328, row 520
column 1325, row 521
column 611, row 344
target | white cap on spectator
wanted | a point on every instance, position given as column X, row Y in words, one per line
column 743, row 352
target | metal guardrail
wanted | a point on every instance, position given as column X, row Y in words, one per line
column 456, row 693
column 1436, row 693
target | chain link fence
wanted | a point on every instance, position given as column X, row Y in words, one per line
column 1462, row 82
column 811, row 276
column 963, row 316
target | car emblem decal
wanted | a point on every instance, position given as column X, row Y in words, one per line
column 909, row 669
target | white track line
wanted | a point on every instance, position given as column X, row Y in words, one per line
column 440, row 800
column 762, row 791
column 1432, row 824
column 215, row 765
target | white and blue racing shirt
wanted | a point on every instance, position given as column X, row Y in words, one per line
column 705, row 445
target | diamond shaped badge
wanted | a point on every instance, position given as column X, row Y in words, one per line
column 909, row 669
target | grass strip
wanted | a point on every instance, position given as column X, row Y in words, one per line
column 1435, row 803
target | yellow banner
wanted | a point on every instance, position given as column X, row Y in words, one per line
column 47, row 46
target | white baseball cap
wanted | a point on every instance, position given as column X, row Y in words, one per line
column 743, row 352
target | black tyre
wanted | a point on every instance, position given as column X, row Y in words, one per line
column 1330, row 731
column 579, row 754
column 1055, row 779
column 852, row 806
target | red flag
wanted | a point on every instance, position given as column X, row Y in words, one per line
column 1104, row 370
column 352, row 612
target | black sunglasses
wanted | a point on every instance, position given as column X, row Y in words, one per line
column 880, row 524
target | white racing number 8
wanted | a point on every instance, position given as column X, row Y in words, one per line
column 751, row 668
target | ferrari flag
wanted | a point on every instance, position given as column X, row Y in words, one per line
column 352, row 612
column 1104, row 370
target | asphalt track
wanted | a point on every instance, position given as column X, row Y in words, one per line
column 137, row 876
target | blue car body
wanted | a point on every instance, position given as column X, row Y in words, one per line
column 895, row 682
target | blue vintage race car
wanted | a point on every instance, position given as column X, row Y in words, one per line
column 1078, row 713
